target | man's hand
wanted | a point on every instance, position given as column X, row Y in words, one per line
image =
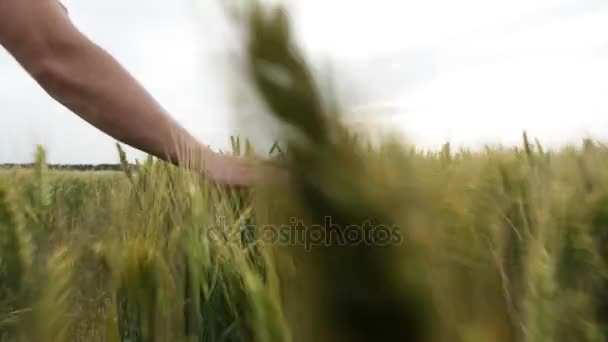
column 92, row 84
column 240, row 171
column 229, row 170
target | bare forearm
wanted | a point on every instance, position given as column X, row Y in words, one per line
column 93, row 85
column 86, row 79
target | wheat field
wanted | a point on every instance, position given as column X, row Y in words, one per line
column 361, row 242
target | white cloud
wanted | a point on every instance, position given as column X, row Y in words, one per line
column 494, row 68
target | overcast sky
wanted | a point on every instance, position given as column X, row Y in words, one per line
column 468, row 71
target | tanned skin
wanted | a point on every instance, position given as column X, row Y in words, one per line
column 91, row 83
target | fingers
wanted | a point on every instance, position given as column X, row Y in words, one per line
column 227, row 170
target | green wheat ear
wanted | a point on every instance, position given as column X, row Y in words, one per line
column 16, row 258
column 16, row 248
column 128, row 170
column 281, row 74
column 124, row 162
column 43, row 189
column 52, row 319
column 529, row 148
column 144, row 288
column 40, row 224
column 335, row 179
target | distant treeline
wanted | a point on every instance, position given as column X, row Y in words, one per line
column 68, row 167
